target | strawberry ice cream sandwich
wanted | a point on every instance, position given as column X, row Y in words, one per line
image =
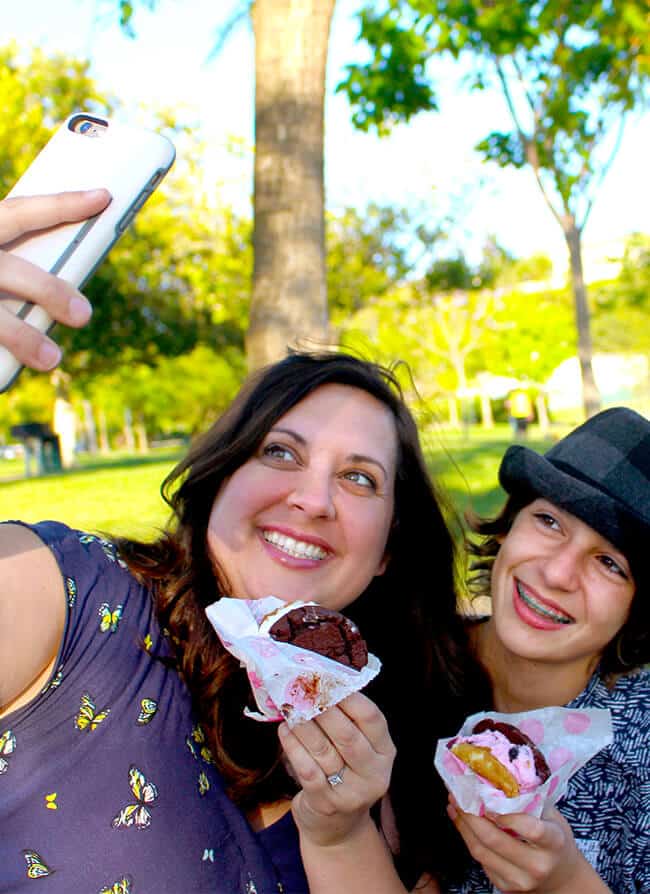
column 503, row 755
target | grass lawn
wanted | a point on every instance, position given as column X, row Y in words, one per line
column 120, row 494
column 116, row 495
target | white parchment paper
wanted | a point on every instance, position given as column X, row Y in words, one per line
column 567, row 737
column 288, row 683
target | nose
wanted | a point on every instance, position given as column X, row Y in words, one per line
column 313, row 495
column 561, row 567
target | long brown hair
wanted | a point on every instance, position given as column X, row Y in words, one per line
column 407, row 616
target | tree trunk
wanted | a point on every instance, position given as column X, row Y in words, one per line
column 129, row 437
column 289, row 301
column 542, row 414
column 454, row 415
column 487, row 419
column 104, row 441
column 141, row 436
column 590, row 394
column 89, row 427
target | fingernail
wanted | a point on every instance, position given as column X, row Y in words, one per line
column 79, row 310
column 49, row 355
column 96, row 193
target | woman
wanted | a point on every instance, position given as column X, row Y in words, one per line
column 121, row 723
column 565, row 564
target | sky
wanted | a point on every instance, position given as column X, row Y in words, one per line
column 428, row 164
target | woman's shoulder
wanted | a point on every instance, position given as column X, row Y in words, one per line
column 71, row 545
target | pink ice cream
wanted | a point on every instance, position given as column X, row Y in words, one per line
column 518, row 759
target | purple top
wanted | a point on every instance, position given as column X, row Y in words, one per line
column 106, row 785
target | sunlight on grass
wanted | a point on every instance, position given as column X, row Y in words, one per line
column 120, row 494
column 116, row 500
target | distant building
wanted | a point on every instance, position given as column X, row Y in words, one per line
column 620, row 378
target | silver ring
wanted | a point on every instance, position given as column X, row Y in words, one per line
column 336, row 778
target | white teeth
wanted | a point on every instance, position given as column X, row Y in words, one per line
column 541, row 609
column 297, row 548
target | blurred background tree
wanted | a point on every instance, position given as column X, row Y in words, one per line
column 570, row 74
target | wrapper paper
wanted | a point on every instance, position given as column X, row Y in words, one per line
column 288, row 683
column 567, row 737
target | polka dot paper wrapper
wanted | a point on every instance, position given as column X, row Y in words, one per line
column 289, row 683
column 567, row 737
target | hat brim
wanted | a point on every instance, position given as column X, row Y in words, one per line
column 525, row 472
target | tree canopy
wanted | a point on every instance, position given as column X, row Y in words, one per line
column 569, row 74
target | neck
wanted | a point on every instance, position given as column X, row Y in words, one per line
column 522, row 684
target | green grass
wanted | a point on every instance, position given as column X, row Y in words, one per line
column 120, row 494
column 117, row 495
column 467, row 467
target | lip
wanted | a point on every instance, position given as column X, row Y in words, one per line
column 532, row 618
column 283, row 558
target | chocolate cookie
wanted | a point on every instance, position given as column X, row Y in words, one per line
column 324, row 631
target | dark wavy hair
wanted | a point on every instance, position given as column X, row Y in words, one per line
column 407, row 615
column 628, row 651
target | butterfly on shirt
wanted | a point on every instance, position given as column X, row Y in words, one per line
column 89, row 717
column 122, row 886
column 148, row 708
column 7, row 747
column 145, row 793
column 36, row 865
column 109, row 618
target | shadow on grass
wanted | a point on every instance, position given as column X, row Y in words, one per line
column 102, row 464
column 468, row 472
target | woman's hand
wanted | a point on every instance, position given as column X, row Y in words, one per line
column 19, row 279
column 351, row 740
column 520, row 853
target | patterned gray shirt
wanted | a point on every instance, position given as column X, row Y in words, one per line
column 607, row 802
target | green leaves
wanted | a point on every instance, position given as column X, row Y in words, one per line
column 392, row 86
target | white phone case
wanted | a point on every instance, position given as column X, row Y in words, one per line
column 128, row 161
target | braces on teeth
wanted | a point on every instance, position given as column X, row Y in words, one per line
column 540, row 609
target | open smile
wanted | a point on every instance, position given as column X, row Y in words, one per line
column 542, row 609
column 298, row 549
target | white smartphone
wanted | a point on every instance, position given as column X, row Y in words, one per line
column 86, row 152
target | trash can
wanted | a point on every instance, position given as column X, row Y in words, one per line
column 41, row 446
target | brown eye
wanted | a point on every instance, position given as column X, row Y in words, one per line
column 613, row 566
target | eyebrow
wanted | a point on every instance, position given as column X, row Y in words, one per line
column 352, row 457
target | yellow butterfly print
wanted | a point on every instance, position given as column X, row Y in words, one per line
column 148, row 643
column 109, row 549
column 36, row 866
column 50, row 801
column 123, row 886
column 88, row 717
column 109, row 619
column 137, row 814
column 204, row 783
column 7, row 747
column 55, row 681
column 148, row 708
column 199, row 737
column 206, row 754
column 71, row 588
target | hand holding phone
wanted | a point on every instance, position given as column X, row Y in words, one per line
column 28, row 283
column 85, row 153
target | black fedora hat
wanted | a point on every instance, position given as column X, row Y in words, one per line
column 600, row 472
